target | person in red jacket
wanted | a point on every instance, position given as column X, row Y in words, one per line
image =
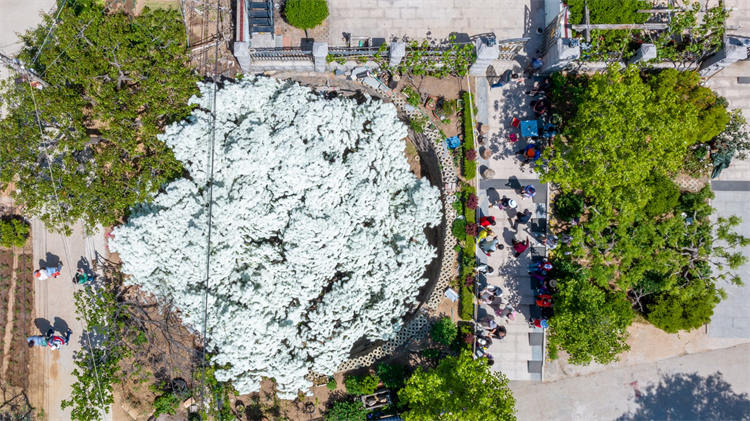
column 520, row 247
column 544, row 300
column 486, row 221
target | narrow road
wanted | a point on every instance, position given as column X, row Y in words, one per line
column 51, row 379
column 710, row 385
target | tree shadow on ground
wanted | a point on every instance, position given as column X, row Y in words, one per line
column 690, row 397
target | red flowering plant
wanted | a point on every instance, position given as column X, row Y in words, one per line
column 471, row 154
column 472, row 201
column 471, row 229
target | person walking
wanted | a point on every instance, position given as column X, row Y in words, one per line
column 489, row 246
column 528, row 192
column 520, row 247
column 48, row 272
column 36, row 340
column 522, row 218
column 56, row 342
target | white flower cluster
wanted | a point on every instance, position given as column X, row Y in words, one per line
column 317, row 234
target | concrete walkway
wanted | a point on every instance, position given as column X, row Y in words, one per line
column 708, row 386
column 520, row 354
column 51, row 371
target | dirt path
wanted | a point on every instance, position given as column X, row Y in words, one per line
column 9, row 316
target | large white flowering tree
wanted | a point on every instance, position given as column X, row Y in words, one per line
column 317, row 233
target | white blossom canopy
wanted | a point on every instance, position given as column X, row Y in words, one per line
column 317, row 232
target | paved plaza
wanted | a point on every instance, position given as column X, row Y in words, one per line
column 520, row 354
column 418, row 19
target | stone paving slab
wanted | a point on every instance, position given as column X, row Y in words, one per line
column 417, row 19
column 731, row 318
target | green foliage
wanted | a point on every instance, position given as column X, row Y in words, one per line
column 691, row 38
column 735, row 137
column 331, row 385
column 469, row 166
column 166, row 404
column 13, row 232
column 604, row 42
column 361, row 385
column 417, row 124
column 684, row 309
column 568, row 206
column 458, row 388
column 589, row 322
column 424, row 60
column 392, row 375
column 412, row 96
column 347, row 410
column 305, row 14
column 620, row 129
column 459, row 229
column 466, row 303
column 444, row 331
column 96, row 367
column 218, row 402
column 466, row 332
column 119, row 77
column 664, row 196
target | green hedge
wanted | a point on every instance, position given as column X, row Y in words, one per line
column 470, row 167
column 466, row 300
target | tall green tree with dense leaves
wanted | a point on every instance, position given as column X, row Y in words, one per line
column 459, row 388
column 115, row 81
column 640, row 245
column 621, row 128
column 305, row 14
column 590, row 321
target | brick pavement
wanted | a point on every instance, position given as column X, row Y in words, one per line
column 436, row 18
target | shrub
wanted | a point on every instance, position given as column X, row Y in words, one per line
column 431, row 353
column 361, row 385
column 471, row 230
column 470, row 166
column 466, row 302
column 305, row 14
column 471, row 155
column 459, row 229
column 347, row 411
column 412, row 96
column 472, row 202
column 664, row 196
column 166, row 404
column 417, row 124
column 444, row 331
column 392, row 375
column 448, row 107
column 13, row 232
column 466, row 334
column 568, row 206
column 331, row 385
column 689, row 309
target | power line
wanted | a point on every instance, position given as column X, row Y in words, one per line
column 210, row 208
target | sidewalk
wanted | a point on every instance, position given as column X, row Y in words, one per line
column 520, row 354
column 51, row 371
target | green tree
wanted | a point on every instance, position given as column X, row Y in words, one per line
column 459, row 388
column 444, row 331
column 115, row 81
column 590, row 323
column 392, row 375
column 305, row 14
column 166, row 404
column 621, row 128
column 361, row 385
column 347, row 410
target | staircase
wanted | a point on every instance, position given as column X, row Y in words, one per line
column 260, row 17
